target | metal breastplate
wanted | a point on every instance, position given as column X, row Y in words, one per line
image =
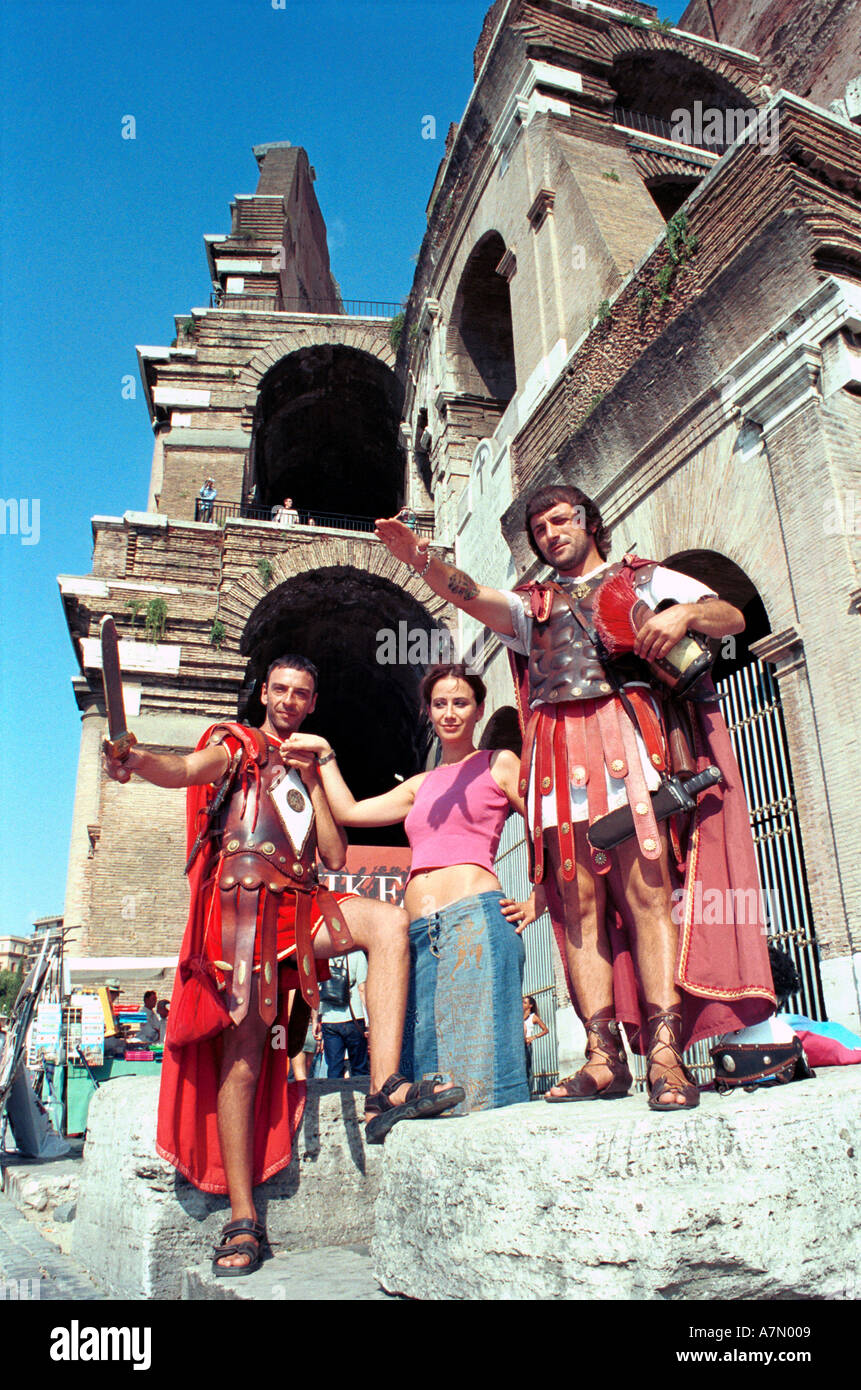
column 563, row 662
column 254, row 825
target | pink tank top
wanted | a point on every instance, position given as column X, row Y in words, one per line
column 457, row 816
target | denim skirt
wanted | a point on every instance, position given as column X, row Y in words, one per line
column 465, row 1011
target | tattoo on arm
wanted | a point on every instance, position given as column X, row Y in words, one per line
column 461, row 585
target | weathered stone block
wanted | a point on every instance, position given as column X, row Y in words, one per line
column 332, row 1273
column 139, row 1224
column 752, row 1196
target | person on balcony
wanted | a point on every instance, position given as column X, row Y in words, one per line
column 284, row 514
column 207, row 496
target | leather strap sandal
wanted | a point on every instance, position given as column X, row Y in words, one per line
column 603, row 1044
column 421, row 1102
column 253, row 1247
column 671, row 1020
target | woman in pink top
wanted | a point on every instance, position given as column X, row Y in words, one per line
column 464, row 1014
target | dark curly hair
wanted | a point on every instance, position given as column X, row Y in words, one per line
column 547, row 497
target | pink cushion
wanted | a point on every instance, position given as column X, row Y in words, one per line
column 827, row 1052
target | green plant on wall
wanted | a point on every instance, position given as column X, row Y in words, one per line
column 155, row 620
column 644, row 300
column 681, row 244
column 611, row 175
column 604, row 311
column 396, row 328
column 664, row 280
column 264, row 569
column 681, row 241
column 217, row 634
column 134, row 605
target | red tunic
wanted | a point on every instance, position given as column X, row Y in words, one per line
column 187, row 1133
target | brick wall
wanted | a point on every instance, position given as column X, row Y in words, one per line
column 810, row 46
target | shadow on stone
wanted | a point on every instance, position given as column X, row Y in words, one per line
column 139, row 1225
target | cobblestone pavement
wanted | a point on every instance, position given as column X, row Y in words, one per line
column 32, row 1268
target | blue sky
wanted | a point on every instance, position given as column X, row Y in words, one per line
column 102, row 245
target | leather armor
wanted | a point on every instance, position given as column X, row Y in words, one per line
column 563, row 663
column 265, row 853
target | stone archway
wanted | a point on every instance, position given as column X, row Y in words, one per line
column 652, row 72
column 480, row 342
column 326, row 433
column 371, row 641
column 729, row 581
column 371, row 336
column 752, row 706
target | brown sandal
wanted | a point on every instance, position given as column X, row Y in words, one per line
column 253, row 1247
column 610, row 1050
column 421, row 1102
column 688, row 1090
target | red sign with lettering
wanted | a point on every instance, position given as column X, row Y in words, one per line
column 373, row 871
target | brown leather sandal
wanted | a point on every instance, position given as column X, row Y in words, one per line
column 610, row 1051
column 688, row 1090
column 422, row 1102
column 253, row 1247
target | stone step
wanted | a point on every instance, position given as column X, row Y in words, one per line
column 141, row 1225
column 753, row 1195
column 339, row 1273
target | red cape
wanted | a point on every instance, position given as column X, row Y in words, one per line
column 187, row 1134
column 722, row 968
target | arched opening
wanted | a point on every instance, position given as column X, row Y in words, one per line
column 751, row 705
column 730, row 582
column 656, row 83
column 668, row 194
column 480, row 336
column 371, row 642
column 326, row 434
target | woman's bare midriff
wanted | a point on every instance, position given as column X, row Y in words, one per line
column 430, row 890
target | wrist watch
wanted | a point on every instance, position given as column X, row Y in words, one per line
column 327, row 758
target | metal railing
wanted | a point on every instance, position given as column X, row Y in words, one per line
column 219, row 512
column 655, row 125
column 299, row 304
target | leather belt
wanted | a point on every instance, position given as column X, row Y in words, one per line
column 250, row 886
